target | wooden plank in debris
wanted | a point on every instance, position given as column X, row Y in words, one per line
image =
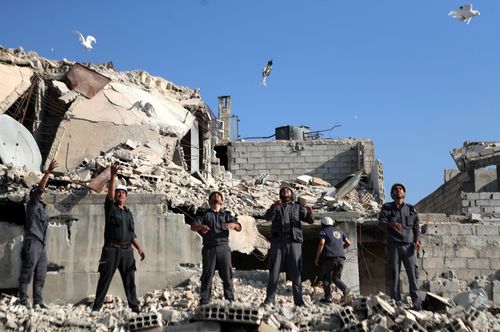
column 86, row 81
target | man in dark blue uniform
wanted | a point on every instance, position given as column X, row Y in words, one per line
column 286, row 243
column 214, row 225
column 34, row 254
column 117, row 253
column 400, row 221
column 330, row 254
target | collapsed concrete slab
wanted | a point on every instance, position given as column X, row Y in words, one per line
column 474, row 155
column 14, row 83
column 112, row 119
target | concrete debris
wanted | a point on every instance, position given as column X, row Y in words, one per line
column 177, row 308
column 475, row 298
column 475, row 155
column 144, row 170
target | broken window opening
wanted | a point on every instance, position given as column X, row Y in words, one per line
column 221, row 153
column 14, row 213
column 372, row 265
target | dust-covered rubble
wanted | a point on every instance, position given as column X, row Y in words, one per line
column 178, row 306
column 144, row 170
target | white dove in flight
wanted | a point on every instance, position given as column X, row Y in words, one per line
column 266, row 71
column 86, row 42
column 464, row 13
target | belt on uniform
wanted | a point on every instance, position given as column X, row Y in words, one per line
column 116, row 244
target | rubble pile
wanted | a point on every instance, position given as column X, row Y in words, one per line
column 57, row 70
column 144, row 170
column 177, row 307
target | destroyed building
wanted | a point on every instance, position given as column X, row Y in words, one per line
column 173, row 151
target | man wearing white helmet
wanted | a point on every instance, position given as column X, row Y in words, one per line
column 286, row 243
column 330, row 254
column 117, row 253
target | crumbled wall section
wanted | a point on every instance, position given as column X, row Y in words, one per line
column 469, row 250
column 329, row 159
column 486, row 204
column 447, row 198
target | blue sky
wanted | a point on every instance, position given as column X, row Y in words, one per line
column 402, row 73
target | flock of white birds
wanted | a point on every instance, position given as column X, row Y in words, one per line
column 463, row 13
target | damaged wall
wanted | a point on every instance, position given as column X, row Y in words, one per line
column 450, row 243
column 470, row 251
column 447, row 198
column 75, row 240
column 330, row 159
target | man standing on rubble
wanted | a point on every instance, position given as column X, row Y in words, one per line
column 214, row 226
column 286, row 243
column 34, row 254
column 331, row 256
column 400, row 221
column 117, row 253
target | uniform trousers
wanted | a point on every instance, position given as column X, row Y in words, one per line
column 216, row 257
column 34, row 262
column 406, row 253
column 331, row 270
column 281, row 254
column 123, row 260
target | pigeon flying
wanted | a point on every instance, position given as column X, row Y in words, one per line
column 86, row 42
column 266, row 71
column 464, row 13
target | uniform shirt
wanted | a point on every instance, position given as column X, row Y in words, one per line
column 334, row 242
column 119, row 225
column 286, row 222
column 36, row 218
column 217, row 221
column 406, row 216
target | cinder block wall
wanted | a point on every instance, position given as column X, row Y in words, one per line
column 329, row 159
column 447, row 198
column 469, row 250
column 483, row 203
column 168, row 242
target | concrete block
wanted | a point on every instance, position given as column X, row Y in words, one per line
column 456, row 325
column 433, row 263
column 478, row 263
column 471, row 196
column 485, row 196
column 453, row 263
column 347, row 316
column 496, row 292
column 482, row 202
column 462, row 229
column 494, row 263
column 477, row 319
column 472, row 209
column 144, row 321
column 231, row 313
column 487, row 229
column 476, row 241
column 465, row 252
